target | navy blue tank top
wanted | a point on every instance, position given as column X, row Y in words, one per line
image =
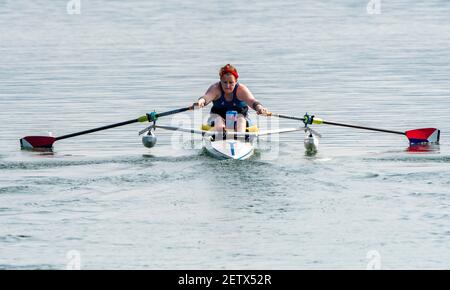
column 221, row 106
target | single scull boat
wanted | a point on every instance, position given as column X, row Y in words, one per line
column 220, row 145
column 233, row 145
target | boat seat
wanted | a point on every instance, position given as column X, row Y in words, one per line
column 253, row 128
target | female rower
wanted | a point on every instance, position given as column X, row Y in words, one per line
column 229, row 95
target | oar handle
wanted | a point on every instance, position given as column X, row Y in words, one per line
column 284, row 116
column 174, row 111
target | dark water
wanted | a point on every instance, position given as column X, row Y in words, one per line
column 121, row 205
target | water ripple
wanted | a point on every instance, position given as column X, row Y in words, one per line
column 14, row 238
column 29, row 267
column 413, row 159
column 145, row 160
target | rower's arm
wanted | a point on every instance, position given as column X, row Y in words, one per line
column 245, row 95
column 211, row 94
column 251, row 101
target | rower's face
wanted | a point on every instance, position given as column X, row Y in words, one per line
column 228, row 82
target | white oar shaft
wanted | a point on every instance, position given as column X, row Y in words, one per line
column 238, row 134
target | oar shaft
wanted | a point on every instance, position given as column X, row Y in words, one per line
column 364, row 128
column 287, row 117
column 141, row 119
column 97, row 129
column 173, row 112
column 341, row 124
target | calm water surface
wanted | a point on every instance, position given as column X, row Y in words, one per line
column 363, row 199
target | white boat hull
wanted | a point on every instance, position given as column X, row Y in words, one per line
column 229, row 149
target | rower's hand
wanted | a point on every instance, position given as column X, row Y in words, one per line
column 200, row 103
column 262, row 111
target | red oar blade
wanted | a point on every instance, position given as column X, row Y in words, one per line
column 425, row 135
column 37, row 142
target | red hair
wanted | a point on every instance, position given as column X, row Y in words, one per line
column 228, row 69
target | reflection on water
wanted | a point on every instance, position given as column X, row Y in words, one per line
column 423, row 148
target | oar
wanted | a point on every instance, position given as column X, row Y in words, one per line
column 424, row 135
column 35, row 142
